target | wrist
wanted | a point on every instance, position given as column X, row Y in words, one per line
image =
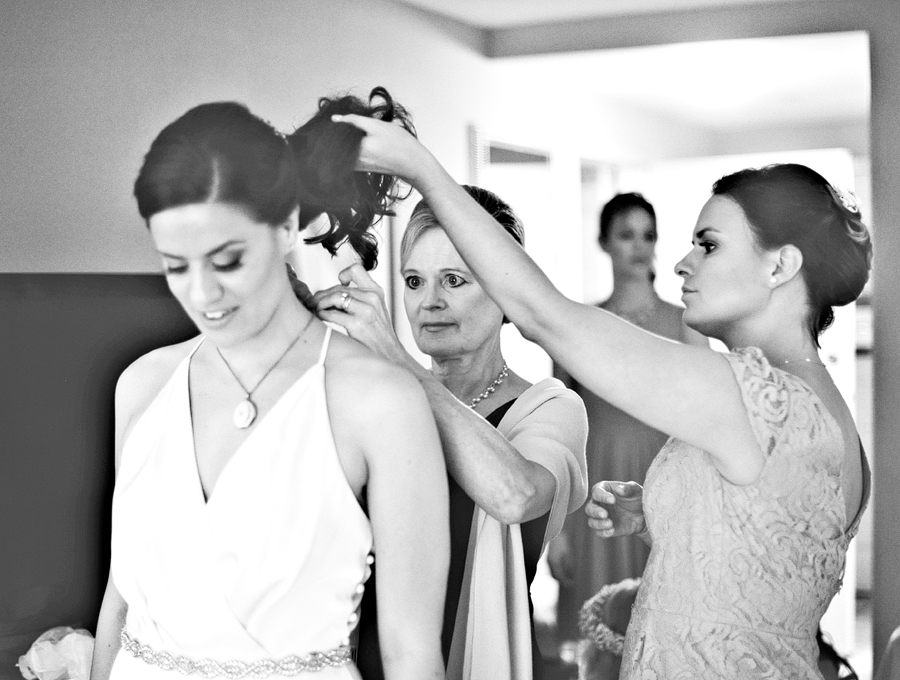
column 427, row 174
column 644, row 531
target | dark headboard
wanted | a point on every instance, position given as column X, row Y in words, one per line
column 64, row 340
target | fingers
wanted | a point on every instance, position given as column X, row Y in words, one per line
column 368, row 304
column 603, row 527
column 596, row 511
column 357, row 275
column 353, row 119
column 602, row 492
column 607, row 492
column 628, row 489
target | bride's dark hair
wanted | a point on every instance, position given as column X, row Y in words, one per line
column 221, row 152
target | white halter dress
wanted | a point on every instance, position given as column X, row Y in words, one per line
column 270, row 567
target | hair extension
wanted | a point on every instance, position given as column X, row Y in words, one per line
column 221, row 152
column 326, row 155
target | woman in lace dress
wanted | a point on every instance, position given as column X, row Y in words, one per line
column 751, row 505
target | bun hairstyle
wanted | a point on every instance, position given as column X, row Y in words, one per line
column 619, row 204
column 791, row 204
column 422, row 219
column 221, row 152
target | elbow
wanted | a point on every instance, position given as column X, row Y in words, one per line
column 518, row 505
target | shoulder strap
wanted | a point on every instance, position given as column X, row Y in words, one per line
column 196, row 347
column 325, row 343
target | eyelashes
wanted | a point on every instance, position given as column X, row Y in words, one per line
column 414, row 282
column 230, row 266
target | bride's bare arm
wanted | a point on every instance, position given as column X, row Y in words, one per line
column 406, row 491
column 135, row 388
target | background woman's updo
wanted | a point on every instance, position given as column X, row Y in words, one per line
column 790, row 204
column 221, row 152
column 618, row 204
column 422, row 219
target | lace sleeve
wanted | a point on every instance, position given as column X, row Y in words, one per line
column 765, row 394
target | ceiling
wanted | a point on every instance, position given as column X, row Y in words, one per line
column 720, row 85
column 494, row 14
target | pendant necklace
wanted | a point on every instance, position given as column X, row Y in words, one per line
column 492, row 387
column 246, row 411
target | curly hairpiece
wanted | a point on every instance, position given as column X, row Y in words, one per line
column 326, row 153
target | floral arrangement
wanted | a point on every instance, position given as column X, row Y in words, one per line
column 61, row 653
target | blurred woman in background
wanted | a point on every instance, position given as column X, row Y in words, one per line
column 619, row 445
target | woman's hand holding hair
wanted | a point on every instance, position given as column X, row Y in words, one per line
column 616, row 509
column 388, row 149
column 358, row 305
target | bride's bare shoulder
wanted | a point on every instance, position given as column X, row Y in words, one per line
column 145, row 377
column 366, row 382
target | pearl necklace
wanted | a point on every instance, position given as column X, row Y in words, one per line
column 492, row 387
column 806, row 360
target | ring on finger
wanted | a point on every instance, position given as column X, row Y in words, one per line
column 345, row 301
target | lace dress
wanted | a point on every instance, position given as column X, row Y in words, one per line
column 619, row 447
column 739, row 576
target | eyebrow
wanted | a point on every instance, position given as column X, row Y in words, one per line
column 214, row 251
column 700, row 233
column 412, row 270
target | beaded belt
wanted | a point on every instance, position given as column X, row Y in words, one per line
column 208, row 668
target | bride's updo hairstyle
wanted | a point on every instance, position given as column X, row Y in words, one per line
column 222, row 153
column 790, row 204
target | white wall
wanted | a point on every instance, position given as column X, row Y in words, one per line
column 86, row 86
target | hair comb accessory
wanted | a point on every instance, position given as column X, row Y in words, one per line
column 846, row 198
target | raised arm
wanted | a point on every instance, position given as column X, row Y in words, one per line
column 492, row 471
column 683, row 390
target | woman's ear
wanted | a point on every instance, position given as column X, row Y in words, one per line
column 788, row 260
column 289, row 231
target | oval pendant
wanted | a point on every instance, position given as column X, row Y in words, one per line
column 244, row 414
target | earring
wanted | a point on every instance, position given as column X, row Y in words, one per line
column 773, row 280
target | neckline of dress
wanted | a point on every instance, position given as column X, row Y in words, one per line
column 186, row 365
